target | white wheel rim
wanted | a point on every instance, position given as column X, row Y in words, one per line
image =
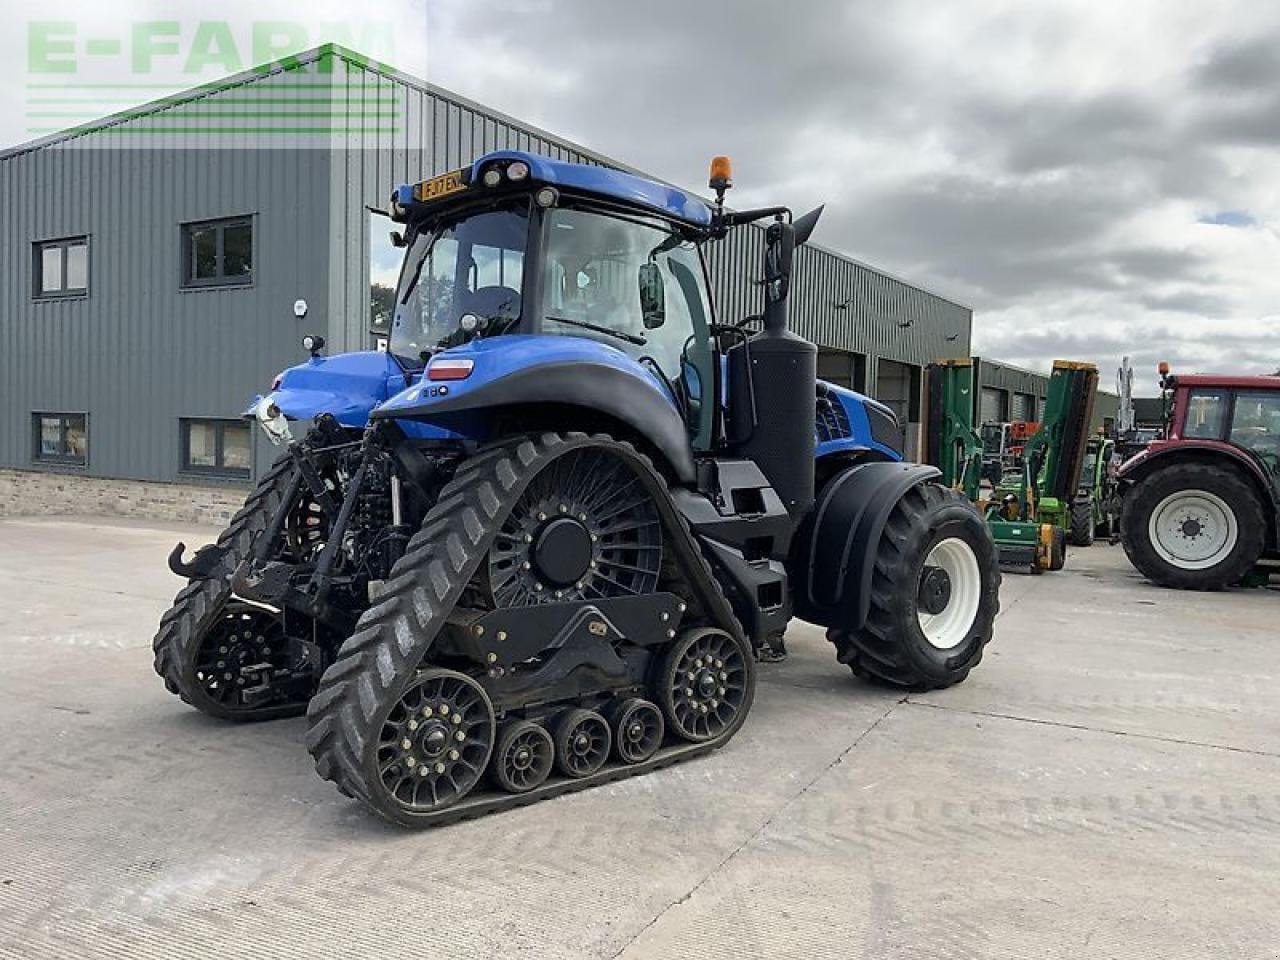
column 950, row 627
column 1193, row 529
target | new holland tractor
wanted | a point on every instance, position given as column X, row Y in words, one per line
column 541, row 541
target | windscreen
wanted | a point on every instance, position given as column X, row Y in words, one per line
column 471, row 265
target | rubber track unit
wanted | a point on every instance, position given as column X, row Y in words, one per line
column 381, row 658
column 200, row 602
column 877, row 653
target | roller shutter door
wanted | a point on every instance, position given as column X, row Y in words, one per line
column 1023, row 407
column 992, row 405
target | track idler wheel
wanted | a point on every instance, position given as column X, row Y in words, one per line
column 523, row 757
column 435, row 742
column 637, row 730
column 704, row 684
column 241, row 655
column 582, row 743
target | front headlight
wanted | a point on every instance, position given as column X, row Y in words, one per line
column 273, row 421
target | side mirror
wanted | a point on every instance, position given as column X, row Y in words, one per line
column 653, row 296
column 781, row 240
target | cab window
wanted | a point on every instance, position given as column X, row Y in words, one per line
column 1206, row 415
column 1255, row 424
column 596, row 269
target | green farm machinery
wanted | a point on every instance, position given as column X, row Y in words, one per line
column 1029, row 510
column 1096, row 505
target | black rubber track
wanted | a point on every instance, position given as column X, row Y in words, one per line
column 1083, row 528
column 200, row 602
column 887, row 650
column 393, row 637
column 1141, row 500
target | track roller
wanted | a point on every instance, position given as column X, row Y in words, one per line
column 523, row 757
column 582, row 743
column 637, row 730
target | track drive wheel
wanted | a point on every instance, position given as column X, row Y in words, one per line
column 637, row 730
column 706, row 685
column 523, row 757
column 935, row 592
column 582, row 743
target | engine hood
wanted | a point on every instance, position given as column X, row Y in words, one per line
column 348, row 386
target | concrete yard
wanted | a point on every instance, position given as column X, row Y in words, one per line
column 1106, row 784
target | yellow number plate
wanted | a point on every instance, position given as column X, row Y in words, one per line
column 440, row 186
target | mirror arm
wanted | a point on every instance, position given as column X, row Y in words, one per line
column 733, row 218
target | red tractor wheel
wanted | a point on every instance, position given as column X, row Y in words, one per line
column 1193, row 526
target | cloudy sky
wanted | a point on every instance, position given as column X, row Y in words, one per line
column 1093, row 178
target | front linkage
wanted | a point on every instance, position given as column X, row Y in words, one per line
column 267, row 606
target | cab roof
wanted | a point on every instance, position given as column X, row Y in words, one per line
column 1227, row 381
column 598, row 181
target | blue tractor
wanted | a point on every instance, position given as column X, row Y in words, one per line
column 542, row 540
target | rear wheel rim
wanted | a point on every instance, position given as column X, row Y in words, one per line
column 1193, row 529
column 948, row 624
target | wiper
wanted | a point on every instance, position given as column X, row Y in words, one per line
column 608, row 331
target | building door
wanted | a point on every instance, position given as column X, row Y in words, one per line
column 842, row 368
column 1024, row 407
column 898, row 387
column 995, row 407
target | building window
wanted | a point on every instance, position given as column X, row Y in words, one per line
column 218, row 447
column 60, row 268
column 217, row 252
column 61, row 438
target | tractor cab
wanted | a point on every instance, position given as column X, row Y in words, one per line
column 522, row 245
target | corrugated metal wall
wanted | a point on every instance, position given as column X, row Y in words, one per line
column 139, row 352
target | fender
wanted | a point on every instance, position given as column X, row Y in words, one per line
column 511, row 371
column 833, row 553
column 1161, row 452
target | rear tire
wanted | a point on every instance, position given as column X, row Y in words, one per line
column 903, row 644
column 1083, row 525
column 1193, row 526
column 1058, row 552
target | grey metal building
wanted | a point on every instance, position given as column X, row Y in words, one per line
column 152, row 260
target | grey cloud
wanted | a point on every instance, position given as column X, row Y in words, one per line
column 1254, row 121
column 1009, row 243
column 1246, row 65
column 1195, row 302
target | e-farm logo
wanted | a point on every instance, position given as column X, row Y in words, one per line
column 78, row 73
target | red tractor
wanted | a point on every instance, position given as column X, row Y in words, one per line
column 1200, row 508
